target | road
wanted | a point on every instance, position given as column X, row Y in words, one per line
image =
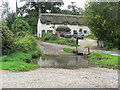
column 93, row 77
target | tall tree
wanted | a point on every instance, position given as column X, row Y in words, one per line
column 102, row 18
column 31, row 9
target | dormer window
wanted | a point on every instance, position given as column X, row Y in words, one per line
column 48, row 23
column 65, row 23
column 75, row 23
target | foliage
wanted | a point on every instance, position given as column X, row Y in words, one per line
column 21, row 25
column 50, row 36
column 19, row 61
column 102, row 18
column 27, row 43
column 17, row 66
column 32, row 20
column 55, row 39
column 17, row 56
column 53, row 7
column 69, row 50
column 74, row 9
column 9, row 20
column 105, row 60
column 7, row 40
column 62, row 42
column 91, row 37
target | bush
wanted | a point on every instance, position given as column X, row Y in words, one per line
column 27, row 44
column 7, row 40
column 21, row 25
column 50, row 36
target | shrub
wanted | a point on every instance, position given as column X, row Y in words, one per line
column 54, row 37
column 21, row 25
column 27, row 44
column 7, row 39
column 50, row 36
column 47, row 37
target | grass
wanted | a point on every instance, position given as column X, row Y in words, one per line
column 105, row 60
column 69, row 50
column 19, row 61
column 63, row 43
column 91, row 37
column 17, row 66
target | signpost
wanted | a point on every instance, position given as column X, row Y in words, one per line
column 76, row 45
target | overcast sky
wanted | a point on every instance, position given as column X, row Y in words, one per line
column 80, row 3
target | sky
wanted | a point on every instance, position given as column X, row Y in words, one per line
column 79, row 3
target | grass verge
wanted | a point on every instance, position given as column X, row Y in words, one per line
column 19, row 61
column 62, row 43
column 105, row 60
column 69, row 50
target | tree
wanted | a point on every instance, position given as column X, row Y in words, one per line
column 74, row 9
column 20, row 25
column 9, row 20
column 31, row 9
column 7, row 39
column 102, row 18
column 5, row 11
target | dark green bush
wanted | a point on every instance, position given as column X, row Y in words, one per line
column 54, row 37
column 50, row 36
column 21, row 25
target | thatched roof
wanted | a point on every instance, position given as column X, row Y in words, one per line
column 61, row 18
column 63, row 28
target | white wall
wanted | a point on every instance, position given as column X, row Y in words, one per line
column 49, row 27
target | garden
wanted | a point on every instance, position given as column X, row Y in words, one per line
column 51, row 38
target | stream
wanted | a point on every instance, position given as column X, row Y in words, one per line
column 63, row 61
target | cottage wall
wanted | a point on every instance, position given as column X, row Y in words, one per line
column 54, row 27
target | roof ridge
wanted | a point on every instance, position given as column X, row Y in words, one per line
column 57, row 14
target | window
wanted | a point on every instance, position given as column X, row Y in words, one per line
column 49, row 31
column 74, row 31
column 48, row 23
column 80, row 30
column 85, row 31
column 75, row 23
column 43, row 33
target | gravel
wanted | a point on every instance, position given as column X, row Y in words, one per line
column 61, row 78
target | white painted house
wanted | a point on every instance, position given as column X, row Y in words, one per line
column 49, row 23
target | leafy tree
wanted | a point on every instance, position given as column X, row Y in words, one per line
column 9, row 20
column 31, row 9
column 20, row 25
column 7, row 39
column 102, row 18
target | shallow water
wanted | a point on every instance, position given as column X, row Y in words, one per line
column 63, row 61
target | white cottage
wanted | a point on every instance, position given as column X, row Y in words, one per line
column 51, row 23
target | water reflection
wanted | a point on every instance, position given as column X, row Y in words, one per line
column 63, row 61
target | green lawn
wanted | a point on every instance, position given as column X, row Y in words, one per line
column 105, row 60
column 18, row 61
column 18, row 66
column 69, row 50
